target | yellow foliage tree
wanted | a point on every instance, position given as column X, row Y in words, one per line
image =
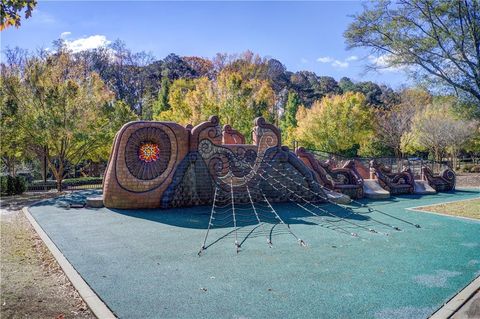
column 236, row 100
column 335, row 124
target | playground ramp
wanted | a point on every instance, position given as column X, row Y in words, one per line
column 373, row 190
column 422, row 188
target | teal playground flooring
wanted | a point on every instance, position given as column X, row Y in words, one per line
column 144, row 264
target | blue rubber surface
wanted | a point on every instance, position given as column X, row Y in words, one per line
column 144, row 264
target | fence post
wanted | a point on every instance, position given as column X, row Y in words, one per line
column 45, row 168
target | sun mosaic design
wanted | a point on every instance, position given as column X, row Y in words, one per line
column 149, row 152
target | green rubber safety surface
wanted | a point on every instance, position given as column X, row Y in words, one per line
column 144, row 264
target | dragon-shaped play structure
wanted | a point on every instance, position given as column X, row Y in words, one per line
column 164, row 164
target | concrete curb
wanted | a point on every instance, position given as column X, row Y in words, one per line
column 454, row 304
column 98, row 307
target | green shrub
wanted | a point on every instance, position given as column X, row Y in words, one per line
column 3, row 184
column 82, row 180
column 20, row 184
column 12, row 185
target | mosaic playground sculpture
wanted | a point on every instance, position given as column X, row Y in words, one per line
column 343, row 180
column 443, row 182
column 396, row 183
column 164, row 164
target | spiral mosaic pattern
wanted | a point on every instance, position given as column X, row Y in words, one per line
column 147, row 153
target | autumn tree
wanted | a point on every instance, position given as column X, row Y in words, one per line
column 392, row 125
column 65, row 111
column 201, row 66
column 335, row 124
column 12, row 146
column 437, row 130
column 12, row 142
column 436, row 40
column 240, row 100
column 236, row 100
column 11, row 12
column 288, row 122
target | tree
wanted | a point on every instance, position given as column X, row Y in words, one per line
column 128, row 74
column 437, row 40
column 201, row 66
column 237, row 101
column 177, row 68
column 335, row 124
column 288, row 123
column 161, row 104
column 12, row 142
column 11, row 12
column 346, row 85
column 240, row 100
column 438, row 131
column 277, row 75
column 180, row 111
column 12, row 146
column 372, row 92
column 66, row 111
column 392, row 125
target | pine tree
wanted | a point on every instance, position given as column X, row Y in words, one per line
column 161, row 104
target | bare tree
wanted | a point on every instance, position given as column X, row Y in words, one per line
column 393, row 124
column 439, row 40
column 440, row 132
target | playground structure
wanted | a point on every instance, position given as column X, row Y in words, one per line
column 164, row 164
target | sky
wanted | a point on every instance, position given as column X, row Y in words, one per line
column 301, row 35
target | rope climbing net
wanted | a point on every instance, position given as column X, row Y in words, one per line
column 258, row 211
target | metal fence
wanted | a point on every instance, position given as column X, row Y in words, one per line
column 396, row 164
column 68, row 185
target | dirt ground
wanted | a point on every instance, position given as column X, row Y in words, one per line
column 32, row 283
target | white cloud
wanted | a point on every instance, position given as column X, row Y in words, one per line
column 88, row 43
column 340, row 64
column 337, row 63
column 383, row 63
column 65, row 34
column 325, row 59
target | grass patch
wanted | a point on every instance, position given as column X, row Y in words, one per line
column 466, row 208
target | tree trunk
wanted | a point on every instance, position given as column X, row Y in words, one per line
column 59, row 177
column 57, row 172
column 59, row 185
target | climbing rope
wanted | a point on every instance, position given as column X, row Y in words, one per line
column 316, row 206
column 345, row 207
column 269, row 240
column 209, row 222
column 237, row 246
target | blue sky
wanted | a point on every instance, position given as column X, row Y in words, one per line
column 302, row 35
